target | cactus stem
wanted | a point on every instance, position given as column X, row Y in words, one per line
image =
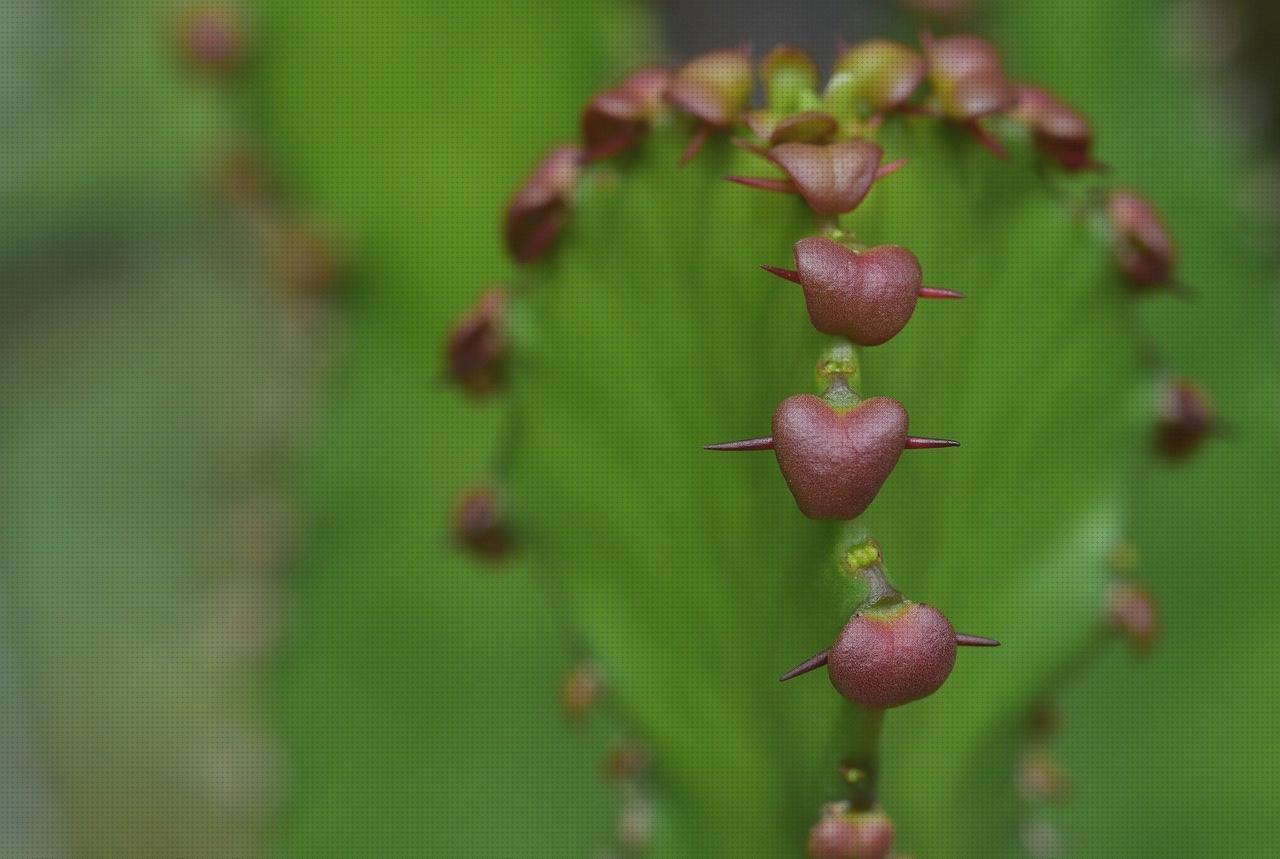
column 965, row 640
column 938, row 292
column 695, row 143
column 813, row 662
column 914, row 442
column 891, row 168
column 784, row 273
column 780, row 186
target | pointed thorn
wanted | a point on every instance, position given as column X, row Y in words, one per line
column 891, row 168
column 816, row 661
column 987, row 139
column 975, row 641
column 765, row 443
column 936, row 292
column 780, row 186
column 920, row 443
column 695, row 143
column 784, row 273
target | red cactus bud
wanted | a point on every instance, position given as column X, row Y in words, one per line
column 1041, row 777
column 714, row 87
column 836, row 461
column 889, row 657
column 867, row 297
column 1141, row 245
column 1187, row 418
column 1060, row 132
column 305, row 261
column 1131, row 610
column 476, row 348
column 212, row 37
column 881, row 74
column 581, row 691
column 968, row 79
column 845, row 834
column 479, row 524
column 540, row 208
column 616, row 119
column 833, row 179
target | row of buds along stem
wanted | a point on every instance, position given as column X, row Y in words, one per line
column 835, row 450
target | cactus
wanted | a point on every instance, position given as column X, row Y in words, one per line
column 641, row 329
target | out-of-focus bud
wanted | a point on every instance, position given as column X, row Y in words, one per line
column 580, row 692
column 539, row 210
column 1187, row 418
column 1141, row 245
column 479, row 524
column 476, row 346
column 212, row 36
column 1131, row 610
column 845, row 834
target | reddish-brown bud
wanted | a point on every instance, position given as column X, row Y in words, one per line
column 1060, row 132
column 866, row 296
column 479, row 524
column 305, row 260
column 878, row 75
column 836, row 461
column 968, row 79
column 713, row 87
column 1131, row 610
column 626, row 762
column 845, row 834
column 1041, row 778
column 476, row 347
column 810, row 126
column 539, row 210
column 616, row 119
column 212, row 37
column 1141, row 245
column 833, row 179
column 580, row 691
column 1187, row 418
column 892, row 656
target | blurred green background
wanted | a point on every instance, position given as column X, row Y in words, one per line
column 233, row 621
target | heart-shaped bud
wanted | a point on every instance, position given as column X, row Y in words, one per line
column 479, row 524
column 1131, row 611
column 714, row 87
column 892, row 656
column 212, row 37
column 540, row 208
column 846, row 834
column 968, row 79
column 618, row 118
column 476, row 348
column 836, row 461
column 1060, row 132
column 866, row 296
column 833, row 179
column 874, row 77
column 1141, row 245
column 1187, row 418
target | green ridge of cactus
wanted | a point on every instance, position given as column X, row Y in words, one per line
column 404, row 124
